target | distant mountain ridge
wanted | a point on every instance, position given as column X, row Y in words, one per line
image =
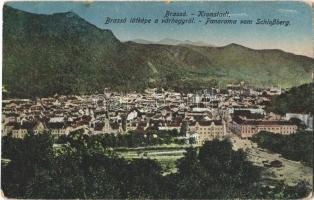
column 62, row 53
column 169, row 41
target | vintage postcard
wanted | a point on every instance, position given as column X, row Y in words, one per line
column 157, row 100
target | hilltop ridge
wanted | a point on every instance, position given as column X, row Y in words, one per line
column 63, row 53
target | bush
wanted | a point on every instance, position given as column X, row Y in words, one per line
column 298, row 146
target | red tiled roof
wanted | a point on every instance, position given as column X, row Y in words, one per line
column 262, row 122
column 208, row 123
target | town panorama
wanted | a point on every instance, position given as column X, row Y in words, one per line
column 205, row 115
column 157, row 100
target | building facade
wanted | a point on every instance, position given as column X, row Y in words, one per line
column 248, row 128
column 206, row 130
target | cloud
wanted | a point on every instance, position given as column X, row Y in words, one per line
column 287, row 11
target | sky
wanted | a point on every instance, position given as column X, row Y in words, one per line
column 296, row 38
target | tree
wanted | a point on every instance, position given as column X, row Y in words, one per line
column 189, row 175
column 298, row 146
column 144, row 179
column 298, row 122
column 227, row 169
column 81, row 167
column 29, row 158
column 189, row 164
column 183, row 129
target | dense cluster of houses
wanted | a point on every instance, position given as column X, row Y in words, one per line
column 203, row 116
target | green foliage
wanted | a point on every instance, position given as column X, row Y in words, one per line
column 86, row 170
column 77, row 57
column 30, row 159
column 83, row 170
column 298, row 122
column 132, row 139
column 297, row 146
column 296, row 100
column 214, row 169
column 282, row 191
column 189, row 164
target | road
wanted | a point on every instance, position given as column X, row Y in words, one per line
column 291, row 172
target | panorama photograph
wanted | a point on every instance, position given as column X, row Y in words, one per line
column 157, row 100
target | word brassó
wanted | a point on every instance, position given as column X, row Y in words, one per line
column 175, row 14
column 110, row 20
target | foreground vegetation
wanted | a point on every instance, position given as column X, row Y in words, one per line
column 85, row 168
column 133, row 139
column 165, row 156
column 298, row 147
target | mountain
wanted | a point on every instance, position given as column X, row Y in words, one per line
column 169, row 41
column 196, row 43
column 62, row 53
column 141, row 41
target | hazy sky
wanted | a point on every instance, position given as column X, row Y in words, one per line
column 296, row 38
